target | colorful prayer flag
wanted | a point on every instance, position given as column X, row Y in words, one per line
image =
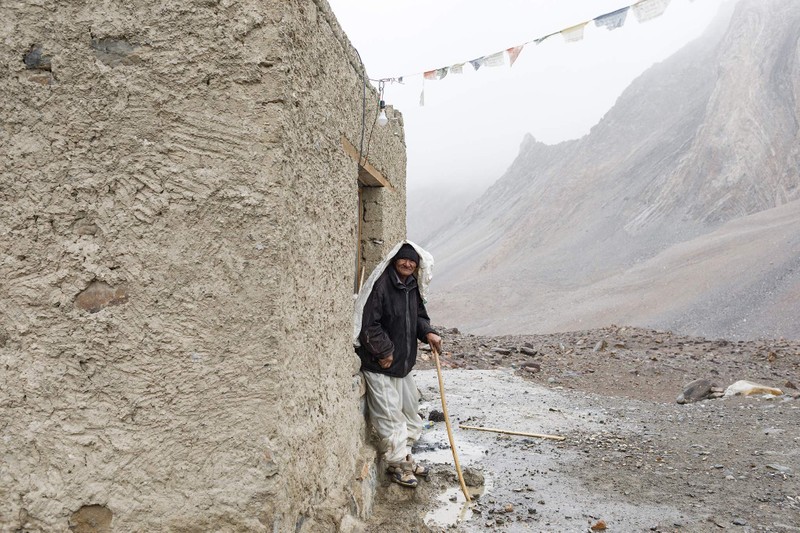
column 458, row 68
column 613, row 20
column 649, row 9
column 513, row 54
column 574, row 34
column 436, row 74
column 476, row 63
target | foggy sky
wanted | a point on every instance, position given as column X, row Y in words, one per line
column 471, row 126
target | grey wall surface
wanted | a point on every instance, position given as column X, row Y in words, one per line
column 177, row 243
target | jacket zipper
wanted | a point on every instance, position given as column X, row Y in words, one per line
column 408, row 336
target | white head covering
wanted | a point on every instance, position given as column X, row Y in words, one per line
column 424, row 274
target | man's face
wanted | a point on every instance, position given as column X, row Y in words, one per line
column 405, row 267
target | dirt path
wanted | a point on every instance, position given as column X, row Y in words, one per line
column 633, row 458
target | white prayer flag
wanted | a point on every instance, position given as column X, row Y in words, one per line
column 649, row 9
column 495, row 60
column 574, row 33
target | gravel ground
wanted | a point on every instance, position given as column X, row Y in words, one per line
column 632, row 460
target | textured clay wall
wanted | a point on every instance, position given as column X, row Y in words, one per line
column 330, row 94
column 177, row 240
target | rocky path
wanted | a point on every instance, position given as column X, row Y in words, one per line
column 633, row 459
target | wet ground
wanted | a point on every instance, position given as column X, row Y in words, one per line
column 633, row 459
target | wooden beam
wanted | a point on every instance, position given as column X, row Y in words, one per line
column 507, row 432
column 368, row 175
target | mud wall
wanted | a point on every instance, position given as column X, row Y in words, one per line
column 177, row 243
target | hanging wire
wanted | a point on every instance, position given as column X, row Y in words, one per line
column 381, row 85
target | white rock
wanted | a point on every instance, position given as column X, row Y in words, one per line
column 747, row 388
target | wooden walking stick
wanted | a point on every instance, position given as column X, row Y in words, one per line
column 435, row 353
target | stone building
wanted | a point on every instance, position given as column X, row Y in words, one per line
column 183, row 219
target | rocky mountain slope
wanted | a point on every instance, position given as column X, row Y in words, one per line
column 650, row 219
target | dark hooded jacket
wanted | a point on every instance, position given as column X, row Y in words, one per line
column 394, row 318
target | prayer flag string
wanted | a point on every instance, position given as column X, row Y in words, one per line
column 643, row 10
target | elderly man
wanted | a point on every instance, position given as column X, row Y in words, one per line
column 394, row 319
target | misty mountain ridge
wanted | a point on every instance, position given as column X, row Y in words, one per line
column 694, row 147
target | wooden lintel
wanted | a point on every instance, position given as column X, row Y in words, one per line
column 368, row 175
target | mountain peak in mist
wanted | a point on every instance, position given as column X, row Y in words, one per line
column 704, row 139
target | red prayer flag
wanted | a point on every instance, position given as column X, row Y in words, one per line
column 513, row 54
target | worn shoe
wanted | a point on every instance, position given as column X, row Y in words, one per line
column 402, row 474
column 417, row 469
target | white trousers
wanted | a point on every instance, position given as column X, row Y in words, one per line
column 393, row 404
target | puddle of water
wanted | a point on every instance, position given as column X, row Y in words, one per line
column 434, row 448
column 450, row 512
column 453, row 508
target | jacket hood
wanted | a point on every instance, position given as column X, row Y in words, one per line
column 423, row 274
